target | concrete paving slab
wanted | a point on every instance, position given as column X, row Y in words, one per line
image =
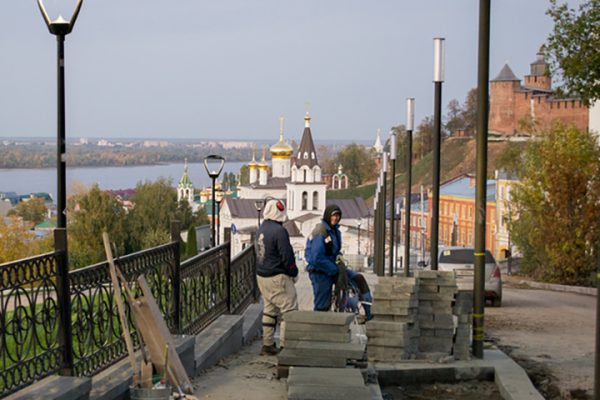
column 301, row 326
column 307, row 392
column 317, row 336
column 288, row 357
column 319, row 317
column 351, row 377
column 353, row 350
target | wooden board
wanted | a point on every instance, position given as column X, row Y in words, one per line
column 156, row 335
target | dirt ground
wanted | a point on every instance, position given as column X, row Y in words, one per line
column 551, row 334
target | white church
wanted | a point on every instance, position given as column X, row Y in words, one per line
column 295, row 178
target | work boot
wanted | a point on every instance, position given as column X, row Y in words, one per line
column 271, row 350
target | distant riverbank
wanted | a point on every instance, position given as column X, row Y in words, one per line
column 31, row 180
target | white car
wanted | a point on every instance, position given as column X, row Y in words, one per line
column 462, row 261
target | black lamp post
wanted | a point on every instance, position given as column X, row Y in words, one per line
column 61, row 28
column 219, row 198
column 393, row 254
column 214, row 166
column 358, row 240
column 438, row 78
column 258, row 204
column 410, row 121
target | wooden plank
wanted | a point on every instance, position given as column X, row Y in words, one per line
column 120, row 308
column 157, row 336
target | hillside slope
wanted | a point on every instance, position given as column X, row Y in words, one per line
column 458, row 156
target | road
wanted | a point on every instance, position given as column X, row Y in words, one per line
column 551, row 334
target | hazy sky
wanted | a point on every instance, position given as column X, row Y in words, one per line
column 229, row 68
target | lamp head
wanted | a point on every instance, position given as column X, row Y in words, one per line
column 59, row 26
column 258, row 204
column 214, row 165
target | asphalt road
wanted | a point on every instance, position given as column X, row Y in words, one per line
column 552, row 334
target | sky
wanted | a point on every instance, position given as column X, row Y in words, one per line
column 228, row 69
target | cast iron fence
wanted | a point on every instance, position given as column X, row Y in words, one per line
column 37, row 337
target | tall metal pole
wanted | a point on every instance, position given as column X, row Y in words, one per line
column 481, row 176
column 383, row 201
column 438, row 78
column 61, row 164
column 393, row 146
column 410, row 112
column 358, row 239
column 422, row 226
column 597, row 357
column 398, row 216
column 376, row 223
column 212, row 239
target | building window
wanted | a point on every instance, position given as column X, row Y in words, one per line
column 304, row 200
column 315, row 200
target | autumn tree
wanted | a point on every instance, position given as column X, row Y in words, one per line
column 16, row 240
column 91, row 214
column 358, row 163
column 155, row 208
column 423, row 141
column 191, row 245
column 32, row 210
column 573, row 46
column 556, row 218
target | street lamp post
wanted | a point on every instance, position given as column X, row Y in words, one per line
column 358, row 240
column 393, row 254
column 219, row 198
column 438, row 78
column 410, row 117
column 258, row 204
column 60, row 28
column 214, row 165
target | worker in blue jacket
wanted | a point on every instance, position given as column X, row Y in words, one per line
column 322, row 250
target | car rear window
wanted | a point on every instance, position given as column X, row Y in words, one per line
column 462, row 256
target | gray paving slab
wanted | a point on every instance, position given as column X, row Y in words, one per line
column 317, row 336
column 353, row 350
column 286, row 357
column 319, row 317
column 301, row 326
column 375, row 324
column 351, row 377
column 307, row 392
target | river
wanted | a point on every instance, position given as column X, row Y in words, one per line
column 25, row 181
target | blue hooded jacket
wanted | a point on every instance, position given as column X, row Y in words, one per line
column 324, row 245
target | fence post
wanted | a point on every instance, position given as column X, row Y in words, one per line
column 176, row 237
column 65, row 336
column 228, row 269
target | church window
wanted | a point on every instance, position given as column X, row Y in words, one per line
column 305, row 155
column 312, row 155
column 315, row 201
column 304, row 200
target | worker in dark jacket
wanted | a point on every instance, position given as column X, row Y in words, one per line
column 322, row 253
column 322, row 248
column 276, row 270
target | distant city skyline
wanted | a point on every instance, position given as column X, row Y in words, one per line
column 229, row 69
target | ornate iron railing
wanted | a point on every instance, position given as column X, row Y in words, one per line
column 204, row 288
column 37, row 296
column 243, row 280
column 96, row 329
column 29, row 321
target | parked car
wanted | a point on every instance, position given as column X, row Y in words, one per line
column 462, row 261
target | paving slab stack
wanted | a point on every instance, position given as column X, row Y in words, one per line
column 463, row 311
column 436, row 321
column 319, row 339
column 393, row 333
column 420, row 317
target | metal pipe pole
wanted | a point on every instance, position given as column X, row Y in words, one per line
column 398, row 216
column 481, row 176
column 597, row 357
column 61, row 164
column 409, row 129
column 392, row 198
column 212, row 239
column 376, row 223
column 437, row 139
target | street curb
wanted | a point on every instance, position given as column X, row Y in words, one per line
column 588, row 291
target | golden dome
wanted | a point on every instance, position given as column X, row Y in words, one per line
column 263, row 162
column 281, row 149
column 252, row 164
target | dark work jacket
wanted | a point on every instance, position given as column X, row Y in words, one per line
column 322, row 248
column 274, row 253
